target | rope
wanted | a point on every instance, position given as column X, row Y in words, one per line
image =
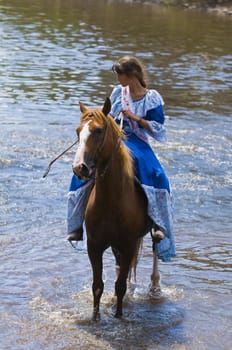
column 60, row 155
column 67, row 149
column 121, row 119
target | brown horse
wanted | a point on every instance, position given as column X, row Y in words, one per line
column 116, row 213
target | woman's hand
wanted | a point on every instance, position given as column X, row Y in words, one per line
column 128, row 114
column 142, row 122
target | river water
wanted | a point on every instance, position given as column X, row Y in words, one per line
column 53, row 54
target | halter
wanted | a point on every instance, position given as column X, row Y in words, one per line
column 67, row 149
column 101, row 146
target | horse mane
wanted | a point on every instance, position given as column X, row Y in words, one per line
column 117, row 133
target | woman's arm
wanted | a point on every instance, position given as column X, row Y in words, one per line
column 154, row 128
column 142, row 122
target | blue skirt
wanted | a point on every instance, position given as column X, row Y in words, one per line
column 146, row 165
column 148, row 169
column 76, row 183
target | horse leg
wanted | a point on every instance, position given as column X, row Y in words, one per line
column 117, row 260
column 121, row 283
column 95, row 257
column 134, row 262
column 155, row 276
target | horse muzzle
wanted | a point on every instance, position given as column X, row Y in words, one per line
column 83, row 171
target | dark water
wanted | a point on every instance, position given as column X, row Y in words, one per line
column 54, row 54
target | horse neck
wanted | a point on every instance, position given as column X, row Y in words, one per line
column 117, row 176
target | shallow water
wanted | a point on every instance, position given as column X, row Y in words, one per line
column 52, row 55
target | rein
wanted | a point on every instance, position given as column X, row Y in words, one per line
column 109, row 161
column 55, row 159
column 100, row 148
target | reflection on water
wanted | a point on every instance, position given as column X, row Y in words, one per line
column 54, row 54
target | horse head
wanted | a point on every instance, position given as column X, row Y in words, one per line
column 93, row 139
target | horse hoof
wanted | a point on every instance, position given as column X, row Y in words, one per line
column 118, row 315
column 155, row 292
column 96, row 318
column 157, row 236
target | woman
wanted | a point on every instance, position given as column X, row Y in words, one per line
column 140, row 110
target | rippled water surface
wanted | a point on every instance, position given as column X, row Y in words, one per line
column 54, row 54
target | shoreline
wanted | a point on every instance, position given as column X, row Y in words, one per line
column 219, row 7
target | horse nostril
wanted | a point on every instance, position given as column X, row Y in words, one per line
column 84, row 170
column 81, row 170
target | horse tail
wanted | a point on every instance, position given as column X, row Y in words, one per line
column 135, row 260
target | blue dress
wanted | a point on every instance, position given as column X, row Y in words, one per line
column 148, row 169
column 150, row 107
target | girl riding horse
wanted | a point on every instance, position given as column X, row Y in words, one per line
column 140, row 111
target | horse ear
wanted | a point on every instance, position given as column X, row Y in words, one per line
column 107, row 106
column 83, row 108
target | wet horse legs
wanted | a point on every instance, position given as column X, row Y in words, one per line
column 155, row 276
column 121, row 282
column 95, row 257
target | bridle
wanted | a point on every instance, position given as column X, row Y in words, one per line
column 103, row 172
column 98, row 150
